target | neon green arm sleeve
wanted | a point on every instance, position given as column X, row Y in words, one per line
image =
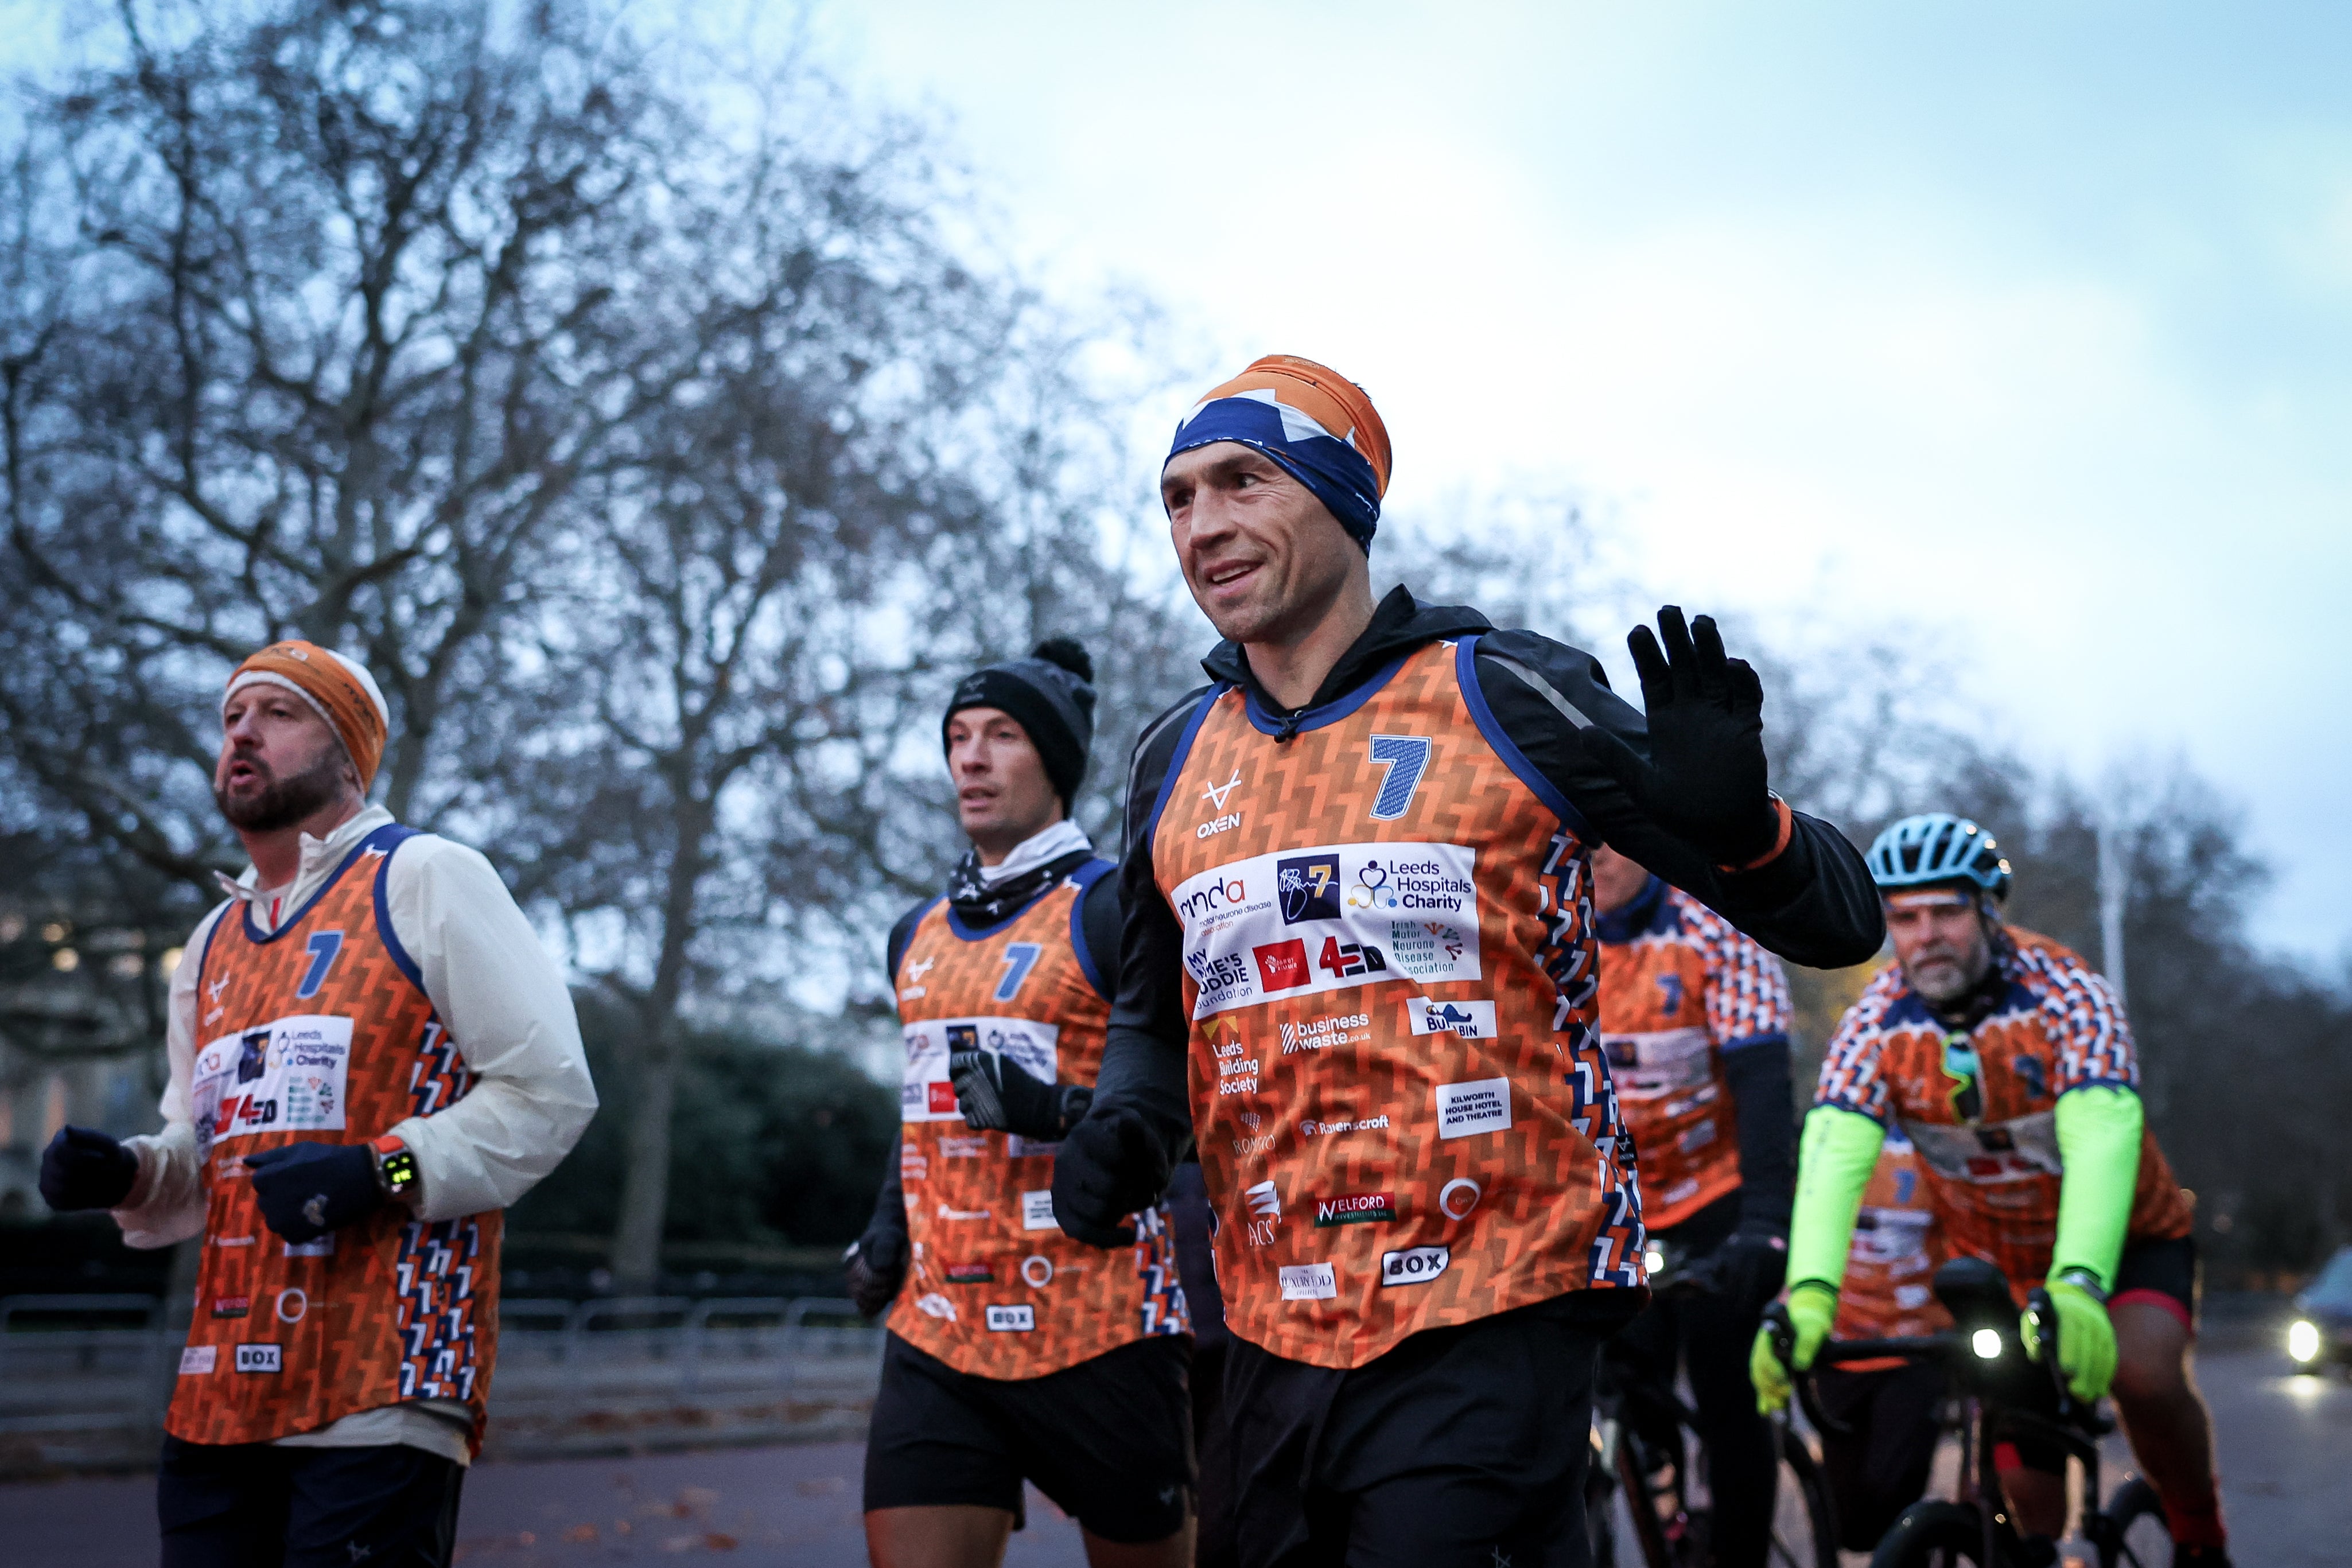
column 1834, row 1159
column 2098, row 1142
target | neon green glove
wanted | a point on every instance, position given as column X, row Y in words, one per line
column 1812, row 1308
column 2086, row 1340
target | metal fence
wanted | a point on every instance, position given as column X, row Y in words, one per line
column 84, row 1376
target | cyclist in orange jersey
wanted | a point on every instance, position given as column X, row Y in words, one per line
column 372, row 1056
column 1360, row 967
column 1894, row 1408
column 1695, row 1018
column 1014, row 1353
column 2009, row 1064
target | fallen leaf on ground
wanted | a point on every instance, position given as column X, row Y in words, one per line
column 583, row 1533
column 718, row 1541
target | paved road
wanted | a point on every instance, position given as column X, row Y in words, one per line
column 2286, row 1445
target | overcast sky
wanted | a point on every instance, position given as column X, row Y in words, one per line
column 2029, row 334
column 2025, row 335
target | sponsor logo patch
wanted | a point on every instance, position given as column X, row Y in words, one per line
column 1309, row 1282
column 1413, row 1266
column 1332, row 1129
column 1037, row 1210
column 198, row 1359
column 1457, row 1198
column 935, row 1305
column 260, row 1358
column 969, row 1274
column 1036, row 1270
column 1012, row 1320
column 947, row 1213
column 1263, row 1199
column 1308, row 887
column 1330, row 1029
column 232, row 1306
column 1282, row 966
column 1481, row 1105
column 1471, row 1020
column 1355, row 1208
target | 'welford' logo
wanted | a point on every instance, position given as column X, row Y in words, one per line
column 1355, row 1208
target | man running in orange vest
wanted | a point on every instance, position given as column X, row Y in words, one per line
column 371, row 1056
column 1015, row 1354
column 1359, row 967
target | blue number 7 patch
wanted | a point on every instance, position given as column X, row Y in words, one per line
column 1406, row 758
column 1020, row 957
column 323, row 946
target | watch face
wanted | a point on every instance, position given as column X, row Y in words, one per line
column 399, row 1169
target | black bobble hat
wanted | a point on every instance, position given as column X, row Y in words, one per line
column 1051, row 694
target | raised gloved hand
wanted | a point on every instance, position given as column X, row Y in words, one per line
column 1705, row 780
column 84, row 1168
column 2086, row 1340
column 876, row 1266
column 1110, row 1167
column 998, row 1095
column 1747, row 1270
column 306, row 1190
column 1811, row 1307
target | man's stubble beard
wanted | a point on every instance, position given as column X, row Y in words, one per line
column 282, row 802
column 1963, row 971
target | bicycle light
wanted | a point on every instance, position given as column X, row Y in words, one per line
column 1653, row 1261
column 2303, row 1342
column 1986, row 1343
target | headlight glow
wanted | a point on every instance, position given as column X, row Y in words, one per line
column 1986, row 1343
column 1653, row 1261
column 2303, row 1341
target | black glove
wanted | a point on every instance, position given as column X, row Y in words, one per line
column 1110, row 1167
column 83, row 1169
column 997, row 1095
column 306, row 1190
column 1748, row 1268
column 876, row 1266
column 1705, row 780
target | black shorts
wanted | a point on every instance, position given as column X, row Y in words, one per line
column 1110, row 1441
column 256, row 1505
column 2162, row 1273
column 1879, row 1465
column 1461, row 1448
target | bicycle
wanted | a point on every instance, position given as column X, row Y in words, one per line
column 1995, row 1388
column 1653, row 1481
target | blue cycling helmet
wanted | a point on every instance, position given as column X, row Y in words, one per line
column 1938, row 847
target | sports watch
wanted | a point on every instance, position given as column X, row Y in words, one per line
column 395, row 1169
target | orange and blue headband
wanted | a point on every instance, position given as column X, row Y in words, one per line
column 1318, row 425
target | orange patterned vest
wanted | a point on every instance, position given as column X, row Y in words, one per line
column 1404, row 1112
column 320, row 1032
column 1896, row 1246
column 1679, row 987
column 994, row 1288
